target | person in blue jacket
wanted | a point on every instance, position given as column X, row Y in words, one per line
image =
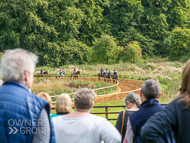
column 150, row 91
column 175, row 116
column 114, row 73
column 24, row 117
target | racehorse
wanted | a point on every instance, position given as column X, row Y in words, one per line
column 75, row 75
column 108, row 75
column 99, row 75
column 43, row 74
column 115, row 77
column 62, row 74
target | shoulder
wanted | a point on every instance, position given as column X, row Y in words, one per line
column 176, row 104
column 94, row 117
column 135, row 114
column 99, row 121
column 57, row 120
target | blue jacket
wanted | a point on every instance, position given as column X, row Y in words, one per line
column 19, row 111
column 173, row 117
column 139, row 118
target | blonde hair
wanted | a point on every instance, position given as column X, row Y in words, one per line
column 185, row 86
column 63, row 103
column 45, row 96
column 84, row 99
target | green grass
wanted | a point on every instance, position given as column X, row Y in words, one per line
column 57, row 87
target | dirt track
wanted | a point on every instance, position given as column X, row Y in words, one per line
column 124, row 85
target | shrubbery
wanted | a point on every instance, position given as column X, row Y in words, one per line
column 132, row 52
column 179, row 43
column 106, row 50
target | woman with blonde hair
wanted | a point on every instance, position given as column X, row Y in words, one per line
column 83, row 127
column 175, row 116
column 63, row 105
column 46, row 97
column 133, row 102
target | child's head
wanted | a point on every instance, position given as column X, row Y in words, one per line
column 150, row 89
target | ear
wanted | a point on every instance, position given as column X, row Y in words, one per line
column 140, row 93
column 92, row 106
column 26, row 74
column 51, row 106
column 159, row 95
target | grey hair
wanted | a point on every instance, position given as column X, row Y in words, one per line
column 150, row 89
column 133, row 98
column 15, row 62
column 84, row 99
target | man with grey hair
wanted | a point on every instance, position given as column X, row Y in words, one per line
column 24, row 116
column 150, row 92
column 83, row 127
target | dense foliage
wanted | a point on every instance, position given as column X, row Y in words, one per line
column 73, row 31
column 132, row 52
column 179, row 43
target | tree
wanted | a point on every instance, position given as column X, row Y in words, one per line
column 132, row 52
column 180, row 43
column 106, row 50
column 75, row 52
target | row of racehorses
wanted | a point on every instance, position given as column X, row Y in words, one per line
column 75, row 75
column 59, row 74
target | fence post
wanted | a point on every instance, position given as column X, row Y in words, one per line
column 106, row 110
column 126, row 76
column 104, row 90
column 96, row 92
column 111, row 89
column 102, row 99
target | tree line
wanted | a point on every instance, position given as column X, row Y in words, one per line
column 96, row 31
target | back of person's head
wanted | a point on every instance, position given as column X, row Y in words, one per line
column 133, row 98
column 84, row 99
column 150, row 89
column 63, row 104
column 15, row 62
column 185, row 85
column 45, row 96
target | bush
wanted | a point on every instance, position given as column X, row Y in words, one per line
column 132, row 52
column 106, row 50
column 180, row 43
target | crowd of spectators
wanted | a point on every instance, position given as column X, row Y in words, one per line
column 25, row 117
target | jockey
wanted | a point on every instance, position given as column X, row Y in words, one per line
column 41, row 71
column 74, row 71
column 101, row 71
column 107, row 72
column 114, row 73
column 60, row 71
